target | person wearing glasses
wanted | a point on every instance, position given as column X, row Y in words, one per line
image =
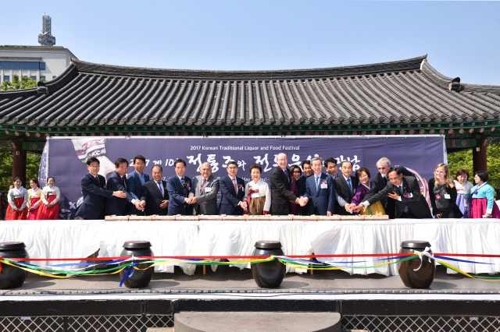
column 379, row 182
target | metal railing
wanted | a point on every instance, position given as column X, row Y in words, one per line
column 121, row 323
column 397, row 323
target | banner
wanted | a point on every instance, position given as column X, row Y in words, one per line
column 64, row 157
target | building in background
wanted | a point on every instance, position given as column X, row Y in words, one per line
column 45, row 38
column 41, row 63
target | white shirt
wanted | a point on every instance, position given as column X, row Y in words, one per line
column 47, row 190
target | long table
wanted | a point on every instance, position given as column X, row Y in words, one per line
column 80, row 238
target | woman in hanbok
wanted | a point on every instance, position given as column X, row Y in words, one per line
column 34, row 199
column 483, row 198
column 375, row 209
column 463, row 191
column 50, row 199
column 257, row 193
column 17, row 199
column 443, row 194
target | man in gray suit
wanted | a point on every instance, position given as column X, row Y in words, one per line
column 206, row 187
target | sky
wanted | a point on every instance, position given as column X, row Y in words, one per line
column 460, row 38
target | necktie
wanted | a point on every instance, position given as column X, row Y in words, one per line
column 317, row 182
column 203, row 185
column 235, row 184
column 160, row 187
column 182, row 181
column 349, row 183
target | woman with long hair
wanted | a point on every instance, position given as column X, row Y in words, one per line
column 443, row 194
column 298, row 187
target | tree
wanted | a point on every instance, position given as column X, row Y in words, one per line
column 463, row 159
column 18, row 84
column 32, row 165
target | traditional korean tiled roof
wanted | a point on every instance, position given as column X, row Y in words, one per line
column 377, row 98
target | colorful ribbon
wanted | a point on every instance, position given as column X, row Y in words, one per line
column 114, row 265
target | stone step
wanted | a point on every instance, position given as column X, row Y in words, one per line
column 246, row 321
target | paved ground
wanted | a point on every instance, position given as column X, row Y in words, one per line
column 240, row 281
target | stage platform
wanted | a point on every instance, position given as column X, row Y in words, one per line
column 366, row 302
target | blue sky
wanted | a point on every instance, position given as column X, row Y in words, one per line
column 460, row 38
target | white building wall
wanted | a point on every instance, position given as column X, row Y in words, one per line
column 56, row 60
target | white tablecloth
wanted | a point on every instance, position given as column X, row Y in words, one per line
column 77, row 238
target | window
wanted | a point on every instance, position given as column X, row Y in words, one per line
column 42, row 78
column 6, row 78
column 22, row 65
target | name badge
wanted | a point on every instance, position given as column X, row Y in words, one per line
column 447, row 196
column 408, row 195
column 324, row 186
column 208, row 189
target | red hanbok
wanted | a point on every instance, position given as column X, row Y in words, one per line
column 49, row 196
column 34, row 196
column 18, row 198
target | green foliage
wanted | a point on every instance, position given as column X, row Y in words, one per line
column 18, row 84
column 32, row 165
column 463, row 159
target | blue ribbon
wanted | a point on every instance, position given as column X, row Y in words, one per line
column 128, row 272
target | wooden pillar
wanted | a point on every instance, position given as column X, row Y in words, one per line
column 18, row 160
column 479, row 162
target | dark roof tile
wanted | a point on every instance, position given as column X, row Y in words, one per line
column 401, row 92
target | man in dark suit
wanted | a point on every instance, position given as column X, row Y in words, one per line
column 206, row 187
column 136, row 179
column 320, row 190
column 180, row 190
column 404, row 190
column 331, row 167
column 281, row 195
column 232, row 189
column 345, row 186
column 117, row 181
column 95, row 193
column 155, row 194
column 379, row 182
